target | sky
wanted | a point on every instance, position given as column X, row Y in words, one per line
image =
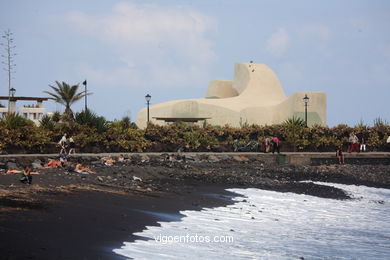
column 172, row 49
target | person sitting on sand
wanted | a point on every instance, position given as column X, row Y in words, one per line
column 84, row 170
column 25, row 176
column 180, row 155
column 121, row 158
column 109, row 161
column 340, row 155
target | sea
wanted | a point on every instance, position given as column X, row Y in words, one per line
column 264, row 224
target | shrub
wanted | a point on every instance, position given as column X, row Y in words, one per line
column 14, row 121
column 89, row 118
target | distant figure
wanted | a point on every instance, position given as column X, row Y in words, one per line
column 25, row 176
column 62, row 143
column 53, row 164
column 121, row 158
column 63, row 159
column 363, row 145
column 72, row 146
column 353, row 140
column 180, row 155
column 275, row 144
column 109, row 161
column 267, row 145
column 340, row 155
column 83, row 170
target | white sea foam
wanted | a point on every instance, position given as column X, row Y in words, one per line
column 273, row 225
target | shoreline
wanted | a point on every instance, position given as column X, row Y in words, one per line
column 98, row 212
column 90, row 224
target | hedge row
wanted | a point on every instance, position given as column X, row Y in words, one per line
column 22, row 136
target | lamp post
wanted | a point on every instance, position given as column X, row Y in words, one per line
column 11, row 94
column 85, row 97
column 306, row 100
column 148, row 97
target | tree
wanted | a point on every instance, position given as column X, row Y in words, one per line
column 9, row 61
column 66, row 95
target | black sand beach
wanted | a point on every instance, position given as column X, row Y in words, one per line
column 67, row 215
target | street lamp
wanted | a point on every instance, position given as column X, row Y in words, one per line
column 306, row 100
column 85, row 97
column 12, row 90
column 148, row 97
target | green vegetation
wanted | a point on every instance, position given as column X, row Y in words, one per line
column 92, row 133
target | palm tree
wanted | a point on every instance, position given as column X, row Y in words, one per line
column 66, row 95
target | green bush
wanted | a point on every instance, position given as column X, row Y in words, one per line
column 93, row 133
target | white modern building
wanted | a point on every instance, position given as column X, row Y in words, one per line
column 254, row 96
column 34, row 112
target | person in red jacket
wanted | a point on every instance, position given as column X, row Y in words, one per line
column 275, row 144
column 354, row 141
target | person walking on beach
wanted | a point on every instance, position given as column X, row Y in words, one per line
column 275, row 144
column 340, row 155
column 353, row 140
column 71, row 146
column 62, row 143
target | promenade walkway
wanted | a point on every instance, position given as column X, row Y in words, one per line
column 295, row 158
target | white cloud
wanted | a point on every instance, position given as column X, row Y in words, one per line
column 278, row 42
column 152, row 42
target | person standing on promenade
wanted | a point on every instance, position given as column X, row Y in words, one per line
column 363, row 145
column 267, row 144
column 72, row 146
column 275, row 144
column 353, row 140
column 388, row 143
column 62, row 143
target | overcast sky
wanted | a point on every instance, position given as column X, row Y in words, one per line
column 172, row 49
